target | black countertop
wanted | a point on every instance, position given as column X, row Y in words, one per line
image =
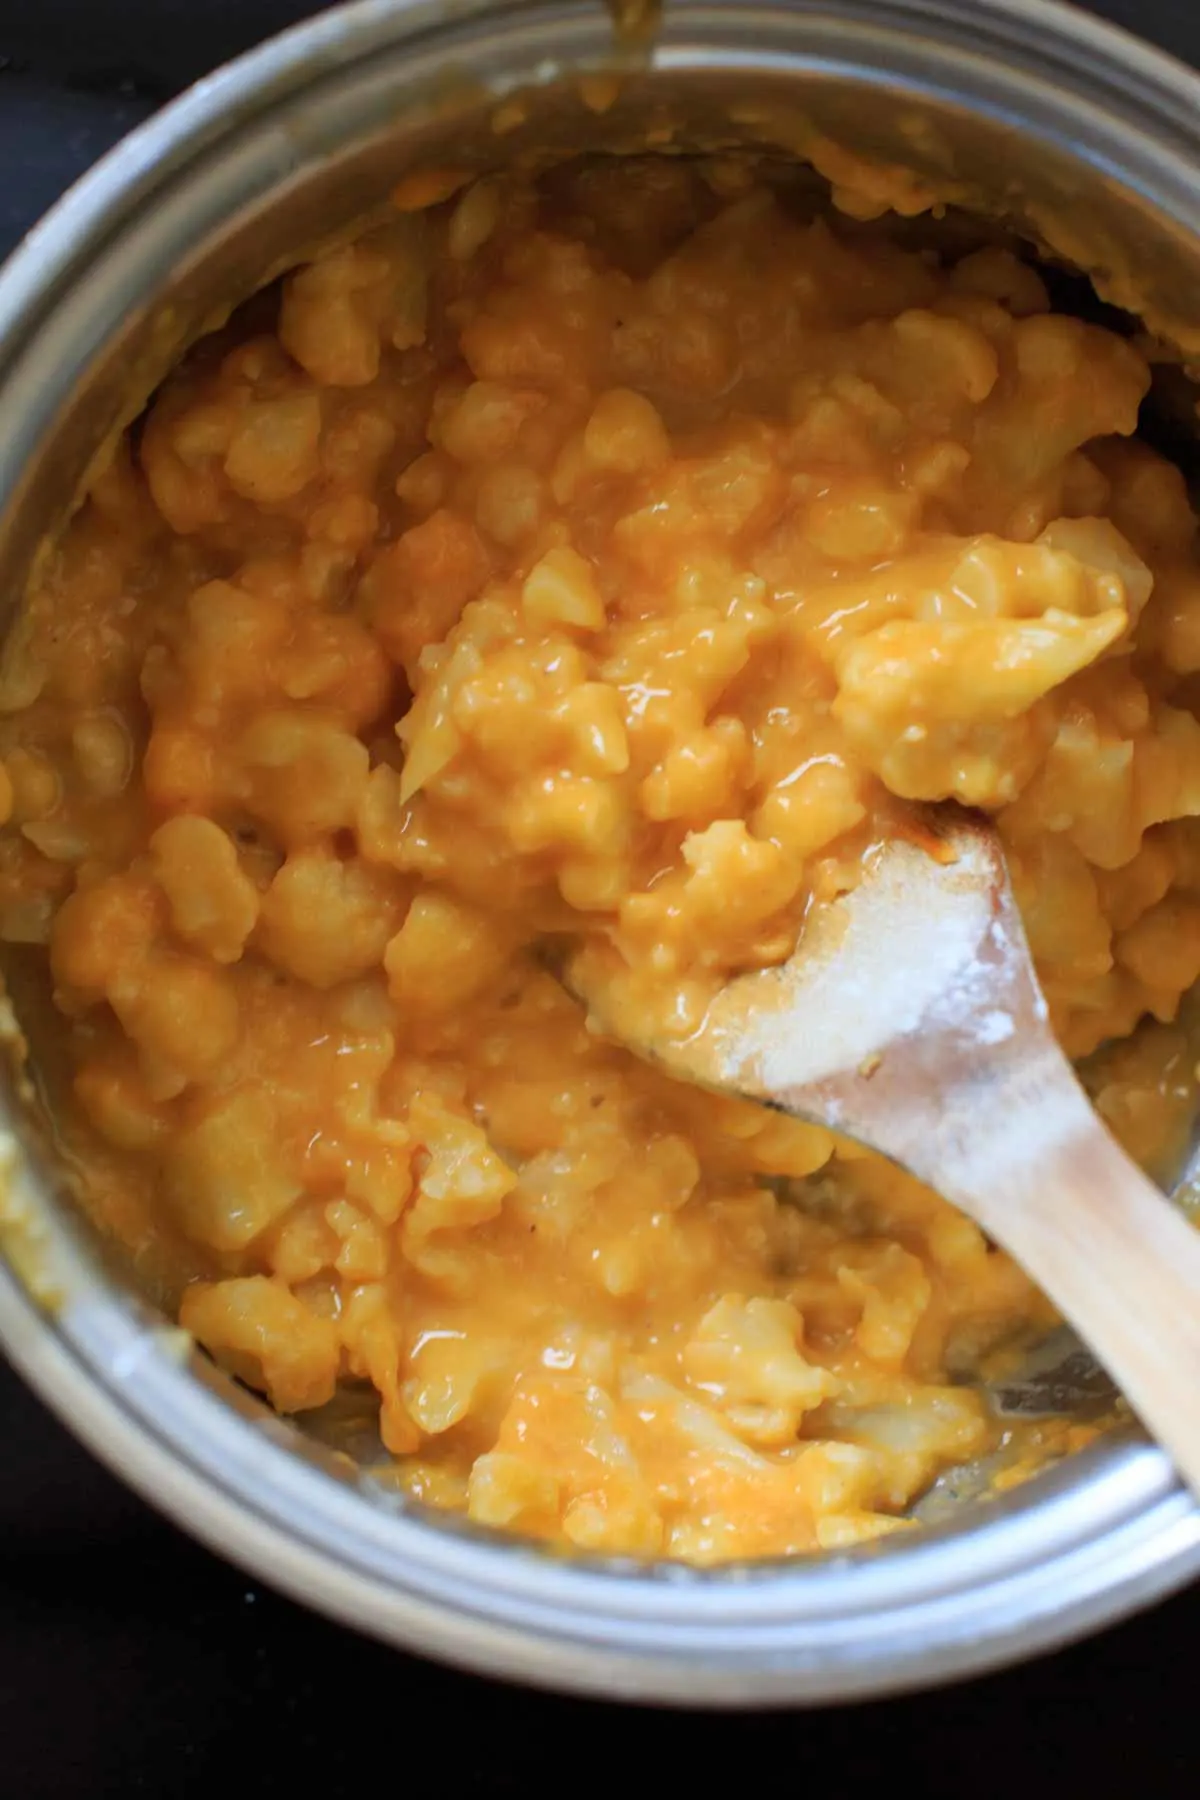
column 133, row 1662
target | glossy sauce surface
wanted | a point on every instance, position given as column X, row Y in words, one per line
column 619, row 557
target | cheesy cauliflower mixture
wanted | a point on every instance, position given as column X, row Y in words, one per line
column 618, row 556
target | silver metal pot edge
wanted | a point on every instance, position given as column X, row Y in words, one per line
column 1036, row 1573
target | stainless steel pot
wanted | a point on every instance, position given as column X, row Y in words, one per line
column 1082, row 137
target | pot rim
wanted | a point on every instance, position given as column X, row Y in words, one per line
column 1085, row 1544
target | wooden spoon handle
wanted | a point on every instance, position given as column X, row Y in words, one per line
column 1120, row 1262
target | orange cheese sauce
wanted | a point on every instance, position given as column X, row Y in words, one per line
column 619, row 557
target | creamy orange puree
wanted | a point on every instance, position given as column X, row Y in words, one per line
column 617, row 557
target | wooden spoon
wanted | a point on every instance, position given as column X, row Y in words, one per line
column 909, row 1017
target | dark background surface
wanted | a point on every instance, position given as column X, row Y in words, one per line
column 133, row 1662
